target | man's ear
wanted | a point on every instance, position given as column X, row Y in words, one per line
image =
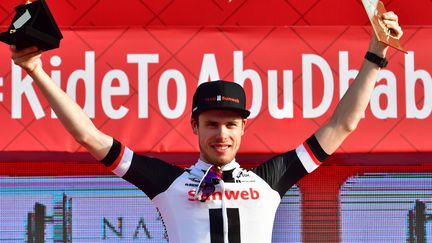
column 194, row 124
column 244, row 121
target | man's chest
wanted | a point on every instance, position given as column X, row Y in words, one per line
column 243, row 189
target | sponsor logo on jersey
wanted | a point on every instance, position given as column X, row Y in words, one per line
column 194, row 179
column 249, row 194
column 243, row 176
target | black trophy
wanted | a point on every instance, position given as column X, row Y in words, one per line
column 33, row 25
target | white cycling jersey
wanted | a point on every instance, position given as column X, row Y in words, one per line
column 243, row 206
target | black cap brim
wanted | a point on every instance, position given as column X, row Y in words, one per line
column 243, row 113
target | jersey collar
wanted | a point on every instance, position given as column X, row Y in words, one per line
column 204, row 165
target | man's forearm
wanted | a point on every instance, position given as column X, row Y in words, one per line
column 71, row 115
column 355, row 101
column 353, row 104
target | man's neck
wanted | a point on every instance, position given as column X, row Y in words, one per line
column 228, row 166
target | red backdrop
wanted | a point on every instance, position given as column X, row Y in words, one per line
column 270, row 35
column 243, row 41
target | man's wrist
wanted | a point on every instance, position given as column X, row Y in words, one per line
column 377, row 47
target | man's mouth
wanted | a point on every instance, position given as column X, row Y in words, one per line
column 221, row 148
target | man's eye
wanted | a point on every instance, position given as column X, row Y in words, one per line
column 211, row 125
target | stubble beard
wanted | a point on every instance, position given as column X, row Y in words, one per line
column 215, row 160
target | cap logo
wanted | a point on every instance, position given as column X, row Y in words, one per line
column 222, row 98
column 211, row 99
column 219, row 95
column 235, row 100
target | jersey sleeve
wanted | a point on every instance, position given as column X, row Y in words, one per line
column 150, row 175
column 283, row 171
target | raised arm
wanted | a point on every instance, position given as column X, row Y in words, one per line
column 73, row 118
column 353, row 104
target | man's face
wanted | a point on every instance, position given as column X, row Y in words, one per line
column 219, row 135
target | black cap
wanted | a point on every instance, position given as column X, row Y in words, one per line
column 33, row 25
column 219, row 95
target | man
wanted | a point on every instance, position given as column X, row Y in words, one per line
column 215, row 200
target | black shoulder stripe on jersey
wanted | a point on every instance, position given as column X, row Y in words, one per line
column 316, row 148
column 153, row 176
column 281, row 172
column 113, row 153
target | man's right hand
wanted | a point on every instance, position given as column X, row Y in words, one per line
column 28, row 59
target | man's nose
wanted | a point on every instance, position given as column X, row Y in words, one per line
column 222, row 132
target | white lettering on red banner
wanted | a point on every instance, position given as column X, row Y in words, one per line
column 23, row 92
